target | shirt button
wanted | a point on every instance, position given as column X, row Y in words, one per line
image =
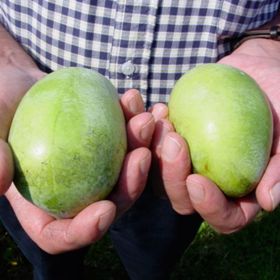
column 128, row 68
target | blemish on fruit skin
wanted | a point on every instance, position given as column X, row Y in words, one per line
column 206, row 167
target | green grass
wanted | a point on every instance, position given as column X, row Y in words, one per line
column 253, row 253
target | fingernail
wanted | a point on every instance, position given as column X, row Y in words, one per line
column 275, row 195
column 171, row 149
column 105, row 221
column 159, row 111
column 163, row 128
column 196, row 192
column 145, row 165
column 134, row 106
column 146, row 131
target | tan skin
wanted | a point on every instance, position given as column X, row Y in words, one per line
column 191, row 192
column 170, row 153
column 18, row 73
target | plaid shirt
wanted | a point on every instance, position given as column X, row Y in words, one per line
column 143, row 44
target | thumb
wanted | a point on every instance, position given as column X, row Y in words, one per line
column 6, row 166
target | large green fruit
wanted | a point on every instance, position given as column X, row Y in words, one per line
column 227, row 122
column 68, row 138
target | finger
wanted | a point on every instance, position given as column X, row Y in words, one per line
column 140, row 130
column 176, row 166
column 268, row 190
column 56, row 236
column 224, row 215
column 132, row 103
column 132, row 179
column 162, row 128
column 6, row 167
column 85, row 228
column 159, row 111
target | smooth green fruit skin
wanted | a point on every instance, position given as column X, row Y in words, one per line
column 226, row 120
column 68, row 138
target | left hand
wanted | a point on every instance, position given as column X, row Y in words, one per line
column 260, row 59
column 56, row 236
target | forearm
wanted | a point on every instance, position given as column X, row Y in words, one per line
column 18, row 73
column 12, row 54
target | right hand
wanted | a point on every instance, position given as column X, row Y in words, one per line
column 18, row 73
column 57, row 236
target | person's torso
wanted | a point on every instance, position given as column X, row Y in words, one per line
column 143, row 44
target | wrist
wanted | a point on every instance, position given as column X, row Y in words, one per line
column 265, row 32
column 18, row 73
column 16, row 59
column 259, row 47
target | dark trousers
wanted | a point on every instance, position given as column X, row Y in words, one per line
column 149, row 238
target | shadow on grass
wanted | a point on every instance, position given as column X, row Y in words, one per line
column 13, row 265
column 252, row 253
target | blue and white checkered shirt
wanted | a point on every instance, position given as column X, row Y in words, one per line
column 143, row 44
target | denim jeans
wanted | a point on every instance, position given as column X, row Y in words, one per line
column 149, row 238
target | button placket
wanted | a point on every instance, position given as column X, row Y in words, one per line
column 131, row 47
column 128, row 68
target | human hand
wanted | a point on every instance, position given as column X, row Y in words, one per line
column 55, row 236
column 259, row 59
column 15, row 81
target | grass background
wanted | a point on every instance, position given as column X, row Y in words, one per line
column 253, row 253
